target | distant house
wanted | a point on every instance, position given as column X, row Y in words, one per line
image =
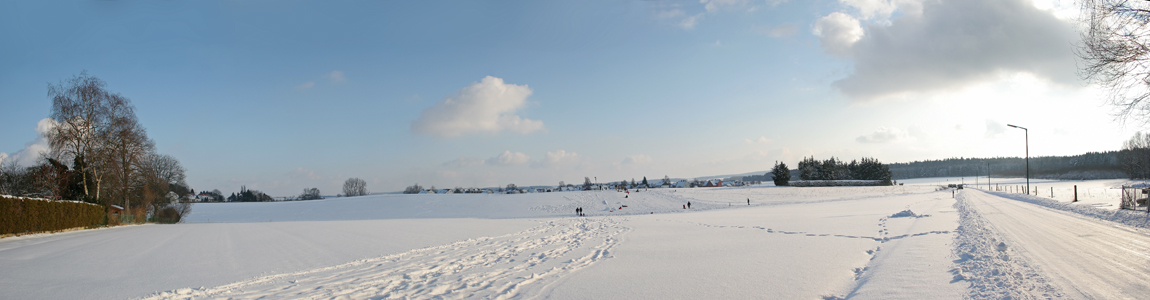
column 713, row 183
column 444, row 191
column 115, row 209
column 681, row 184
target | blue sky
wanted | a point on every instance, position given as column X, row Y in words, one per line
column 285, row 95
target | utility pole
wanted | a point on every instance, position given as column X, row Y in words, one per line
column 1027, row 132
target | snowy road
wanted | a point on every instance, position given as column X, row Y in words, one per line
column 1085, row 258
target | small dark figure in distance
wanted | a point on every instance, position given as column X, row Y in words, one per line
column 748, row 201
column 688, row 205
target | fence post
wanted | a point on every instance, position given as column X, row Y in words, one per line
column 1051, row 192
column 1075, row 193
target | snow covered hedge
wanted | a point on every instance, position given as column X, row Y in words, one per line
column 839, row 183
column 25, row 215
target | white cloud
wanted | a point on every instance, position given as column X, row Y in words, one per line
column 876, row 9
column 485, row 106
column 882, row 135
column 953, row 44
column 557, row 158
column 690, row 21
column 305, row 86
column 336, row 76
column 761, row 140
column 33, row 150
column 716, row 5
column 637, row 160
column 994, row 129
column 509, row 158
column 838, row 32
column 464, row 162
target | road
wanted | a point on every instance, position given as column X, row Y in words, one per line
column 1085, row 258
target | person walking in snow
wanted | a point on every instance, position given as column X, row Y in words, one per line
column 748, row 201
column 688, row 204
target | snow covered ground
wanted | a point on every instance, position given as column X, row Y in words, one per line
column 903, row 242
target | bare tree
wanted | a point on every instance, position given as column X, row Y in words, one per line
column 1135, row 156
column 310, row 194
column 160, row 174
column 84, row 112
column 413, row 189
column 129, row 153
column 1115, row 51
column 354, row 187
column 167, row 168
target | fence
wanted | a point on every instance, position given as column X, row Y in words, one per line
column 1131, row 197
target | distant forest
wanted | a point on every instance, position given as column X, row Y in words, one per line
column 1092, row 165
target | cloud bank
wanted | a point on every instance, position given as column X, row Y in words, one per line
column 32, row 150
column 882, row 135
column 486, row 106
column 949, row 44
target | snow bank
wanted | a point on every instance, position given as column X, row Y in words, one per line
column 992, row 269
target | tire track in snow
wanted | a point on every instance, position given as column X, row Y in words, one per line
column 501, row 267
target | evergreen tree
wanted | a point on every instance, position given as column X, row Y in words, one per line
column 808, row 168
column 645, row 182
column 781, row 174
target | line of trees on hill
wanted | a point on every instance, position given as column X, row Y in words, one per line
column 1091, row 165
column 100, row 153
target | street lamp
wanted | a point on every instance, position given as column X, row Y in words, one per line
column 1027, row 132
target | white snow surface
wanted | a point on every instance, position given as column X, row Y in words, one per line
column 902, row 242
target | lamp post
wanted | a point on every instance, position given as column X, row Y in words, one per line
column 1027, row 132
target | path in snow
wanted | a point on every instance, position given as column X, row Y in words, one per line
column 1086, row 258
column 498, row 267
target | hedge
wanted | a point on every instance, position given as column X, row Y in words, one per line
column 24, row 215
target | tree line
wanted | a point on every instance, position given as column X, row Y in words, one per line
column 832, row 169
column 100, row 153
column 1091, row 165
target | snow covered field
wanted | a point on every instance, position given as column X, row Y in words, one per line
column 908, row 242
